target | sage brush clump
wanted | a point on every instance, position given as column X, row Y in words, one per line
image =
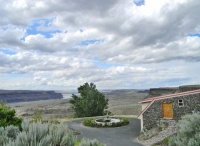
column 8, row 133
column 37, row 134
column 188, row 131
column 87, row 142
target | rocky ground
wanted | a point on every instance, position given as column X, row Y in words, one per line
column 169, row 131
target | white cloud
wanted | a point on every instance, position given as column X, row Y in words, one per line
column 114, row 43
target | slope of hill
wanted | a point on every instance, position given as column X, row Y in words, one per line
column 121, row 102
column 10, row 96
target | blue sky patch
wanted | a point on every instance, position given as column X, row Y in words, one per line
column 15, row 75
column 101, row 64
column 43, row 27
column 139, row 2
column 8, row 51
column 194, row 35
column 88, row 42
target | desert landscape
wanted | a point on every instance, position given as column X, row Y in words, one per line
column 121, row 102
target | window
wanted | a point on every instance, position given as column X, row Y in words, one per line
column 180, row 103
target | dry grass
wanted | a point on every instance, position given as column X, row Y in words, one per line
column 125, row 103
column 131, row 109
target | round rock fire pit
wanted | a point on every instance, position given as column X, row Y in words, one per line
column 107, row 120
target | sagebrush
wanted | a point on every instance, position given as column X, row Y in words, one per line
column 188, row 131
column 87, row 142
column 37, row 134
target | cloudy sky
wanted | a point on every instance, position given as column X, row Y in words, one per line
column 61, row 44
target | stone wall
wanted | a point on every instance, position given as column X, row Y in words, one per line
column 154, row 112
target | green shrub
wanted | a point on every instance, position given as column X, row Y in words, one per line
column 165, row 141
column 126, row 121
column 8, row 133
column 12, row 131
column 188, row 131
column 37, row 116
column 89, row 122
column 77, row 143
column 7, row 116
column 87, row 142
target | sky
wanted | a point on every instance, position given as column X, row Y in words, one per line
column 116, row 44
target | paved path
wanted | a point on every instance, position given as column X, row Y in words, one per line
column 119, row 136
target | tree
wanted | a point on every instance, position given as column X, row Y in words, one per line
column 7, row 116
column 90, row 103
column 188, row 131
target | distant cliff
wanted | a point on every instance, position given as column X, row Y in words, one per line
column 188, row 88
column 10, row 96
column 171, row 90
column 161, row 91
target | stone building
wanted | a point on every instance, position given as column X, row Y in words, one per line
column 169, row 106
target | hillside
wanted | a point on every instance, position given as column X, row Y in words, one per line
column 121, row 102
column 11, row 96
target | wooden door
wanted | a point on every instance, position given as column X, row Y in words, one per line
column 167, row 110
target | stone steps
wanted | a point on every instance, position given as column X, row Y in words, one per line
column 171, row 129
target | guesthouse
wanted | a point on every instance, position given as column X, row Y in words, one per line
column 170, row 106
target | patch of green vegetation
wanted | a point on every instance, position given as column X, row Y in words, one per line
column 164, row 142
column 77, row 143
column 89, row 122
column 8, row 117
column 76, row 132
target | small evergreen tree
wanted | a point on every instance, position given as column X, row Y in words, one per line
column 7, row 116
column 188, row 131
column 91, row 102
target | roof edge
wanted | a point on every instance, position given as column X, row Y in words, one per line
column 169, row 96
column 163, row 97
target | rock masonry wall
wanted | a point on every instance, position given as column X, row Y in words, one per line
column 154, row 113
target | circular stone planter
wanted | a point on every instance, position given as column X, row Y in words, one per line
column 105, row 122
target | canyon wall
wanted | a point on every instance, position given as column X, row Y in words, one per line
column 10, row 96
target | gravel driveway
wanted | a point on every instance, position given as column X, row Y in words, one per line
column 119, row 136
